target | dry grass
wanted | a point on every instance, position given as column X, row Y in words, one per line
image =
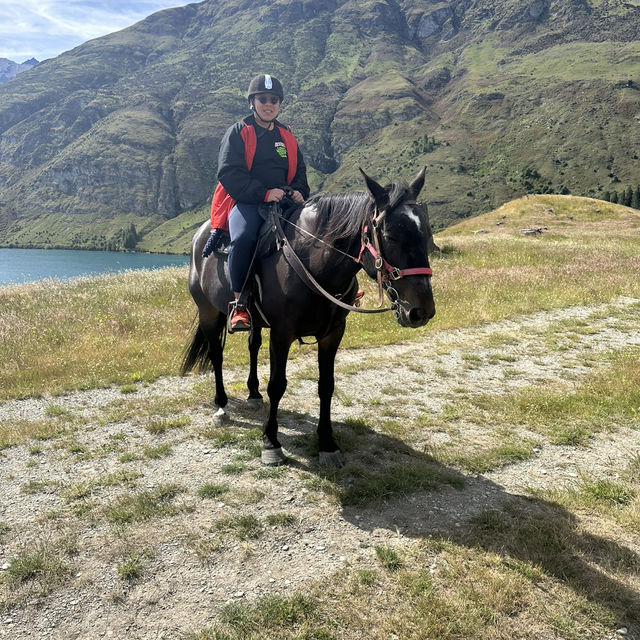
column 123, row 329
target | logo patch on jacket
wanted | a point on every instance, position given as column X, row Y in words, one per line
column 281, row 150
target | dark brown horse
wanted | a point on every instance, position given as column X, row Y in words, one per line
column 382, row 231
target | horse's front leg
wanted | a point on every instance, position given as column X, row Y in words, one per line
column 327, row 349
column 253, row 384
column 278, row 354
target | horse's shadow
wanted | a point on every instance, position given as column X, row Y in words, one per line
column 386, row 485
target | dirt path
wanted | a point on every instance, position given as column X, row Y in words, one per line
column 263, row 531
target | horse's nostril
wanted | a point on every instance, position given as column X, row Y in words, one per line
column 417, row 314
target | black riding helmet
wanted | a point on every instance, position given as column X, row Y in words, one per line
column 265, row 83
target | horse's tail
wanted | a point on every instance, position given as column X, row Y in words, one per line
column 199, row 352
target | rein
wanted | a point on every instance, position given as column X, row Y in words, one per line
column 298, row 266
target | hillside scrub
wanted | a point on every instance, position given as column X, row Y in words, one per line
column 516, row 97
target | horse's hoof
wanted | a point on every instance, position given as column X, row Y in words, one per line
column 331, row 459
column 220, row 417
column 273, row 457
column 254, row 403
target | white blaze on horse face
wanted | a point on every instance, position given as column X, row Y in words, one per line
column 408, row 211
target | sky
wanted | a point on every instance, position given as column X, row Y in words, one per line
column 43, row 29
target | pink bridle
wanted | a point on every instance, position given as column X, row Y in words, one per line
column 391, row 273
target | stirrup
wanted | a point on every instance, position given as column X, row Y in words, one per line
column 231, row 311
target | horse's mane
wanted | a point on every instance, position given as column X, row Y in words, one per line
column 340, row 215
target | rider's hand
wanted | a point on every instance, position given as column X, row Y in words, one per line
column 275, row 195
column 296, row 196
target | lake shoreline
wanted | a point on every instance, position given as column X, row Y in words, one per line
column 20, row 265
column 64, row 248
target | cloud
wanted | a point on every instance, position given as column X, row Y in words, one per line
column 45, row 28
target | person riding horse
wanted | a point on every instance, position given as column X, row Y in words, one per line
column 258, row 157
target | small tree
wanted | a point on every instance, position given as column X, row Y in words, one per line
column 614, row 197
column 635, row 200
column 130, row 237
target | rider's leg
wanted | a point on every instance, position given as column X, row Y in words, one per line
column 244, row 225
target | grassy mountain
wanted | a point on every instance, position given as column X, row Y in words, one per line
column 498, row 98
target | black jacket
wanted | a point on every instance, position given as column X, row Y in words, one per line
column 269, row 168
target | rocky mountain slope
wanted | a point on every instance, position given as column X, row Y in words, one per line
column 497, row 98
column 10, row 69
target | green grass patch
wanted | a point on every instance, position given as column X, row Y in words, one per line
column 15, row 432
column 157, row 452
column 245, row 439
column 271, row 473
column 36, row 570
column 160, row 426
column 39, row 486
column 243, row 527
column 128, row 388
column 132, row 566
column 142, row 506
column 233, row 468
column 212, row 490
column 617, row 500
column 42, row 565
column 281, row 519
column 607, row 399
column 273, row 616
column 490, row 458
column 389, row 558
column 85, row 488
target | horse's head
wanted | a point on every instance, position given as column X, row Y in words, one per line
column 398, row 232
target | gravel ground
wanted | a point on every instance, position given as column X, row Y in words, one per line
column 192, row 565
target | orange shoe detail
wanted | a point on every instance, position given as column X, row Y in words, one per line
column 240, row 320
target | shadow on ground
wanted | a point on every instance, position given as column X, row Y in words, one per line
column 387, row 485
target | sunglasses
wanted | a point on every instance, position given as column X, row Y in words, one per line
column 265, row 99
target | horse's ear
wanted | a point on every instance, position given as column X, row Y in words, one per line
column 378, row 193
column 418, row 182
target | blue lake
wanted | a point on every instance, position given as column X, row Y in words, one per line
column 29, row 265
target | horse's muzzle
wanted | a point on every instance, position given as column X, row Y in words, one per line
column 414, row 317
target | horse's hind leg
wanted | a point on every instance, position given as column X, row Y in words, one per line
column 213, row 327
column 253, row 384
column 327, row 349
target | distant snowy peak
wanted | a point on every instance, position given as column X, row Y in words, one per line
column 10, row 69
